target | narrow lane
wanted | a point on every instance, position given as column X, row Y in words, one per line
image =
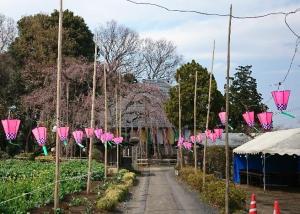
column 159, row 192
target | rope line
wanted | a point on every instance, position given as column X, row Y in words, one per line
column 44, row 187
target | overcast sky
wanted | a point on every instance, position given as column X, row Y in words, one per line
column 265, row 43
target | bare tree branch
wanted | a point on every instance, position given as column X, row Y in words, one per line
column 8, row 32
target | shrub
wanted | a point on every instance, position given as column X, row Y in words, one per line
column 25, row 156
column 4, row 155
column 116, row 192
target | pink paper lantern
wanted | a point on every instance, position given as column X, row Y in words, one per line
column 213, row 137
column 222, row 116
column 63, row 133
column 207, row 133
column 281, row 99
column 89, row 132
column 40, row 134
column 180, row 142
column 78, row 136
column 118, row 140
column 106, row 137
column 187, row 145
column 265, row 119
column 11, row 127
column 218, row 133
column 98, row 133
column 193, row 139
column 249, row 118
column 199, row 137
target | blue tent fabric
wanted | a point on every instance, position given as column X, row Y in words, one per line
column 274, row 164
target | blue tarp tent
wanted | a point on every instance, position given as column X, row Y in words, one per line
column 273, row 157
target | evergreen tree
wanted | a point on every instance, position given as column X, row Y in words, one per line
column 244, row 97
column 187, row 81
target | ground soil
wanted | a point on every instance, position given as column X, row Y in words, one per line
column 288, row 198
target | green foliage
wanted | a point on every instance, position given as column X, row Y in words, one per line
column 25, row 156
column 22, row 177
column 216, row 158
column 78, row 201
column 187, row 83
column 37, row 40
column 214, row 189
column 116, row 192
column 4, row 155
column 243, row 96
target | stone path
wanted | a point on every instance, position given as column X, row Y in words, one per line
column 158, row 191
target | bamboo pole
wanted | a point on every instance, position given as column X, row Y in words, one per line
column 227, row 113
column 58, row 98
column 117, row 128
column 120, row 120
column 179, row 122
column 88, row 186
column 195, row 120
column 207, row 116
column 105, row 123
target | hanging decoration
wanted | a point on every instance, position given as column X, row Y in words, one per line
column 187, row 145
column 78, row 136
column 107, row 137
column 222, row 116
column 213, row 137
column 281, row 99
column 40, row 134
column 11, row 128
column 98, row 133
column 89, row 132
column 199, row 138
column 265, row 119
column 218, row 133
column 193, row 139
column 180, row 142
column 117, row 140
column 63, row 133
column 249, row 118
column 207, row 133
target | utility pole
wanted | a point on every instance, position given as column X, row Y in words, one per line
column 227, row 113
column 195, row 120
column 120, row 120
column 207, row 116
column 117, row 128
column 88, row 186
column 58, row 97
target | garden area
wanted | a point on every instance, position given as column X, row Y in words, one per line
column 27, row 186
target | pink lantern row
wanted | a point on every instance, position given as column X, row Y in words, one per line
column 281, row 99
column 265, row 119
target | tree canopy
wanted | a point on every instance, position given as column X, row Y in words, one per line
column 37, row 40
column 187, row 83
column 243, row 97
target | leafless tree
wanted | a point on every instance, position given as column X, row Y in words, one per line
column 160, row 59
column 8, row 32
column 119, row 47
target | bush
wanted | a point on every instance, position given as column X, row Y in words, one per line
column 25, row 156
column 116, row 192
column 4, row 155
column 214, row 189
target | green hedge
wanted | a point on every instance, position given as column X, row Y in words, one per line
column 214, row 189
column 20, row 177
column 116, row 192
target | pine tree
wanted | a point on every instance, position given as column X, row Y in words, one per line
column 244, row 97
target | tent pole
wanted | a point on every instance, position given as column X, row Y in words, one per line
column 247, row 170
column 264, row 172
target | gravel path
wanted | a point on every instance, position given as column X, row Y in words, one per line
column 158, row 191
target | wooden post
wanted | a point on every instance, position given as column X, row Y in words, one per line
column 179, row 122
column 195, row 120
column 227, row 113
column 88, row 186
column 58, row 97
column 105, row 122
column 120, row 120
column 207, row 116
column 117, row 128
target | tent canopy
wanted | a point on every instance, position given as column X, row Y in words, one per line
column 283, row 142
